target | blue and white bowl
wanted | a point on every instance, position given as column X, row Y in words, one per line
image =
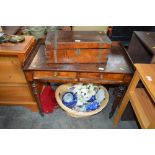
column 69, row 99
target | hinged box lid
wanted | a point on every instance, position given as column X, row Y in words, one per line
column 77, row 39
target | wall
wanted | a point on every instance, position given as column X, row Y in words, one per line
column 90, row 28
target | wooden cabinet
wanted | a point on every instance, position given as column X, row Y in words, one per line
column 142, row 99
column 142, row 47
column 14, row 88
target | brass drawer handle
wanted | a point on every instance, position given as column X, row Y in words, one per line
column 77, row 51
column 55, row 73
column 101, row 76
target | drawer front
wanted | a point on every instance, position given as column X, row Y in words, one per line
column 103, row 78
column 90, row 75
column 55, row 76
column 10, row 70
column 113, row 77
column 78, row 56
column 16, row 94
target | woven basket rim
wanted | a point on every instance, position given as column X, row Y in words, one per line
column 74, row 113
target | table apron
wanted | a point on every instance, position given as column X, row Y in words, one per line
column 74, row 77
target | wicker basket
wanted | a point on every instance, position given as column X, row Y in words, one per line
column 63, row 88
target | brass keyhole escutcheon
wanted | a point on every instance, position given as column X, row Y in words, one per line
column 77, row 51
column 55, row 73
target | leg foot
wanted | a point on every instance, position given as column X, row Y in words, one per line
column 37, row 97
column 119, row 92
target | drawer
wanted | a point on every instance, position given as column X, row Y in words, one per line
column 55, row 76
column 106, row 76
column 90, row 75
column 102, row 78
column 10, row 70
column 113, row 77
column 16, row 94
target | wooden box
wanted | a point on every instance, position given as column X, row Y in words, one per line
column 77, row 47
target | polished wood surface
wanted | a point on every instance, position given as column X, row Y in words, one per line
column 14, row 88
column 19, row 49
column 78, row 56
column 77, row 39
column 143, row 107
column 117, row 63
column 77, row 47
column 15, row 48
column 11, row 70
column 142, row 99
column 116, row 71
column 17, row 94
column 147, row 71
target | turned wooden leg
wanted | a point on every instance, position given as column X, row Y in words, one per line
column 119, row 92
column 36, row 95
